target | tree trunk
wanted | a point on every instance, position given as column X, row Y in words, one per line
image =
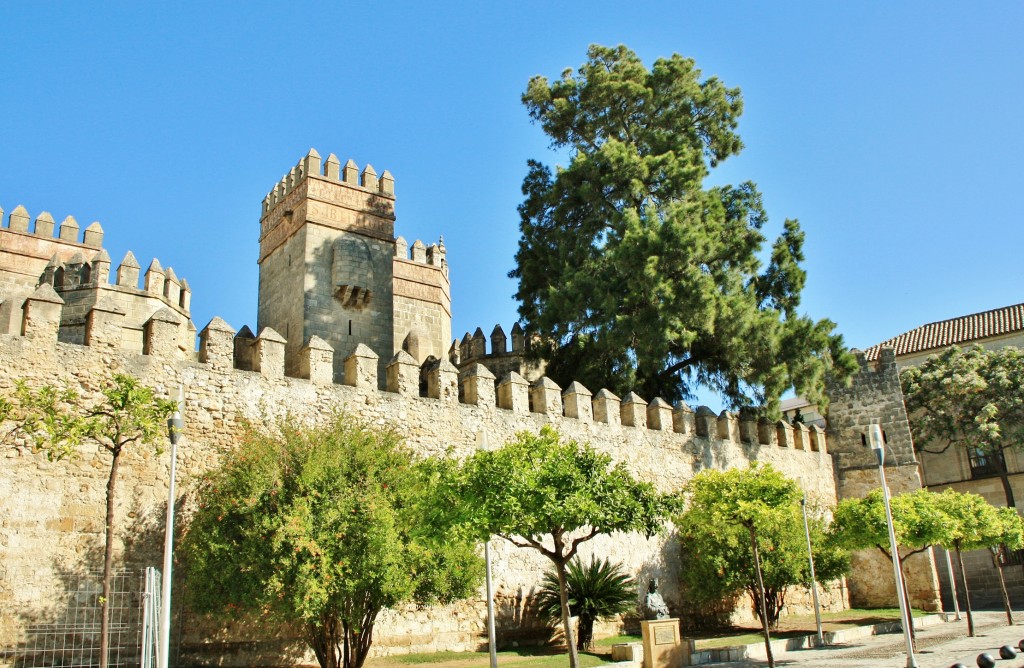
column 586, row 630
column 324, row 638
column 563, row 595
column 358, row 641
column 108, row 561
column 1004, row 476
column 763, row 612
column 967, row 593
column 1002, row 586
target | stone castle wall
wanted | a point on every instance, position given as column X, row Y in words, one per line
column 55, row 518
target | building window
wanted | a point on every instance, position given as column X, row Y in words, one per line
column 1010, row 558
column 986, row 462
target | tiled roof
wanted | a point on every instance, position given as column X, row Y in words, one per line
column 955, row 331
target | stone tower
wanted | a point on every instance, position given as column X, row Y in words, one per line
column 330, row 267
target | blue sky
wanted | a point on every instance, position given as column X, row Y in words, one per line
column 892, row 131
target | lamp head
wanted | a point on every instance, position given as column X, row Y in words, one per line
column 875, row 438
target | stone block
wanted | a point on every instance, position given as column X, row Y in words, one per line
column 514, row 393
column 216, row 345
column 728, row 427
column 18, row 221
column 443, row 381
column 801, row 437
column 633, row 411
column 403, row 375
column 659, row 415
column 478, row 388
column 268, row 353
column 784, row 433
column 44, row 225
column 766, row 434
column 104, row 325
column 361, row 368
column 69, row 230
column 748, row 428
column 161, row 334
column 316, row 359
column 546, row 397
column 817, row 439
column 706, row 422
column 578, row 402
column 607, row 407
column 41, row 314
column 683, row 419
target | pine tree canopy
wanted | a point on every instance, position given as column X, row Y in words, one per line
column 633, row 274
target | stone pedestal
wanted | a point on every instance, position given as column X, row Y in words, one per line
column 662, row 646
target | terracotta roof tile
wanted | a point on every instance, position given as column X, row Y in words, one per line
column 955, row 331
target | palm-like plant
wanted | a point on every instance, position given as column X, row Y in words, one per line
column 599, row 589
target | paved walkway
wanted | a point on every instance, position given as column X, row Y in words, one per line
column 939, row 646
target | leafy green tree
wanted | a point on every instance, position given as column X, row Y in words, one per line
column 638, row 276
column 1008, row 536
column 968, row 399
column 973, row 524
column 57, row 421
column 743, row 531
column 718, row 558
column 596, row 590
column 541, row 493
column 323, row 527
column 919, row 521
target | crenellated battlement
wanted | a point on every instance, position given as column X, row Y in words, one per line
column 330, row 170
column 223, row 350
column 44, row 227
column 473, row 349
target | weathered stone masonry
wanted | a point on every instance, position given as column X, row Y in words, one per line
column 57, row 512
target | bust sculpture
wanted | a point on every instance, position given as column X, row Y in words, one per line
column 654, row 604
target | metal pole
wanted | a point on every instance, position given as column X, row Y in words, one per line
column 491, row 642
column 810, row 558
column 875, row 433
column 483, row 444
column 174, row 427
column 952, row 585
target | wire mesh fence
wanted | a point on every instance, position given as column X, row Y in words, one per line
column 50, row 617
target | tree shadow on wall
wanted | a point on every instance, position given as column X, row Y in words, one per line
column 53, row 610
column 517, row 623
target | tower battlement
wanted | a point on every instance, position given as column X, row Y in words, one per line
column 331, row 267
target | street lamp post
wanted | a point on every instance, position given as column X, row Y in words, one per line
column 877, row 443
column 482, row 444
column 175, row 424
column 810, row 558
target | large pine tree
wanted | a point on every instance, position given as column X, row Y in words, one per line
column 637, row 277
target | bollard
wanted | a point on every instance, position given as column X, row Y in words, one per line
column 958, row 665
column 1021, row 644
column 1007, row 652
column 985, row 660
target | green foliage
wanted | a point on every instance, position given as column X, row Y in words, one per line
column 537, row 491
column 537, row 486
column 972, row 522
column 966, row 398
column 323, row 527
column 714, row 531
column 638, row 276
column 56, row 421
column 919, row 521
column 596, row 590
